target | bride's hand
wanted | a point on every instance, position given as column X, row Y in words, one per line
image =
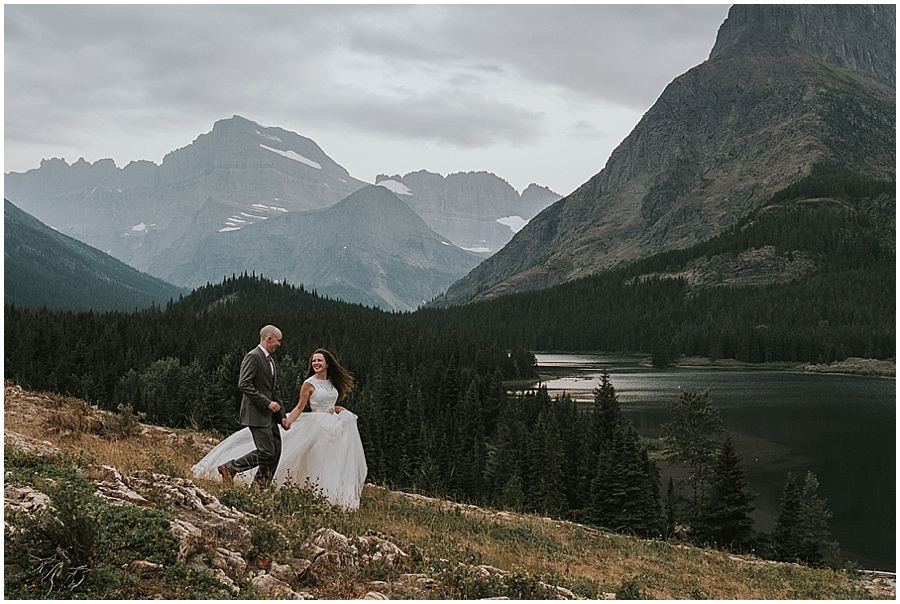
column 338, row 409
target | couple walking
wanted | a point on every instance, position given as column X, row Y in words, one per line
column 321, row 446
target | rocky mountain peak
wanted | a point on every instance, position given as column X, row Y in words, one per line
column 856, row 37
column 477, row 211
column 786, row 88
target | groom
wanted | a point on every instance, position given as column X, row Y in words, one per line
column 261, row 410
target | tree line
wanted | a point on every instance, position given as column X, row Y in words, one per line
column 179, row 365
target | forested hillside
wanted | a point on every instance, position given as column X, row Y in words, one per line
column 179, row 368
column 837, row 303
column 42, row 267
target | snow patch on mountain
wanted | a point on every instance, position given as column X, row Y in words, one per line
column 270, row 208
column 139, row 227
column 515, row 223
column 398, row 188
column 269, row 136
column 294, row 156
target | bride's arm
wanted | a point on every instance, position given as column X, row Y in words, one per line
column 306, row 391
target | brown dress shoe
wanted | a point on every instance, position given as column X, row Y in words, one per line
column 226, row 475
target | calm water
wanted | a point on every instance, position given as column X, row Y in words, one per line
column 842, row 428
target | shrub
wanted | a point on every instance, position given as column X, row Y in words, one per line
column 125, row 423
column 76, row 546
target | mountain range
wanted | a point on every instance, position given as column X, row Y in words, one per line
column 477, row 211
column 237, row 174
column 369, row 248
column 43, row 268
column 167, row 220
column 788, row 93
column 786, row 89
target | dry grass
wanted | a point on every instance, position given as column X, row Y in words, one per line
column 588, row 561
column 76, row 427
column 569, row 554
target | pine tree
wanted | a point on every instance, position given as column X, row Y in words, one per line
column 625, row 489
column 725, row 519
column 690, row 437
column 661, row 354
column 546, row 494
column 503, row 464
column 815, row 548
column 671, row 509
column 469, row 468
column 624, row 486
column 787, row 536
column 801, row 527
column 602, row 425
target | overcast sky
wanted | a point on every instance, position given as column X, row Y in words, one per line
column 532, row 93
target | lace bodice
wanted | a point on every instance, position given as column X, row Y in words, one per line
column 323, row 397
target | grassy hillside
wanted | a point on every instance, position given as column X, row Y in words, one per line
column 454, row 551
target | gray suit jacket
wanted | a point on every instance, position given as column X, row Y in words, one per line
column 259, row 387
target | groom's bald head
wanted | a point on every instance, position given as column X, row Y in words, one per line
column 270, row 338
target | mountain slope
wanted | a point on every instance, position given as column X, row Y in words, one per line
column 785, row 89
column 369, row 248
column 44, row 268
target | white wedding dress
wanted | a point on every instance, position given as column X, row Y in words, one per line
column 322, row 447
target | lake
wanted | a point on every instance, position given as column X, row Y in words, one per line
column 842, row 428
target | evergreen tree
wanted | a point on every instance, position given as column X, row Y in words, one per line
column 470, row 442
column 607, row 414
column 221, row 398
column 787, row 536
column 624, row 487
column 602, row 425
column 572, row 435
column 671, row 509
column 503, row 464
column 815, row 547
column 661, row 354
column 547, row 487
column 691, row 441
column 725, row 519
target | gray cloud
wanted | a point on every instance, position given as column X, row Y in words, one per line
column 449, row 117
column 82, row 78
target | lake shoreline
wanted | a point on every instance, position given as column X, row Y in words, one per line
column 784, row 419
column 851, row 366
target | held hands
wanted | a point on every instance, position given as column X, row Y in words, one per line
column 286, row 423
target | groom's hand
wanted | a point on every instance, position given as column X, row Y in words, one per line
column 286, row 424
column 274, row 407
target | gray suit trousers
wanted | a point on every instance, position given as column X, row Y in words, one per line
column 266, row 456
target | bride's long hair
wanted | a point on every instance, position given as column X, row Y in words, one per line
column 341, row 379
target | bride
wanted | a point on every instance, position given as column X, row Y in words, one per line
column 322, row 446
